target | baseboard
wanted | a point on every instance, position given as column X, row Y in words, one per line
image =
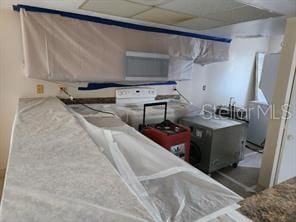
column 2, row 173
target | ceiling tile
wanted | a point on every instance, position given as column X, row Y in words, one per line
column 115, row 7
column 201, row 7
column 151, row 2
column 246, row 13
column 200, row 24
column 162, row 16
column 285, row 7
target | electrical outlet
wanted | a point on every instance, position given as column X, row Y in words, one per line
column 40, row 89
column 62, row 88
column 204, row 87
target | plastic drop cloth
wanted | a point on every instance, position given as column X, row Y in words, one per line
column 66, row 167
column 63, row 49
column 132, row 114
column 56, row 173
column 169, row 188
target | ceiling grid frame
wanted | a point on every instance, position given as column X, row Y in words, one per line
column 162, row 12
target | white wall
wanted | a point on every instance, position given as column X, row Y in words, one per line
column 233, row 78
column 192, row 89
column 12, row 82
column 275, row 44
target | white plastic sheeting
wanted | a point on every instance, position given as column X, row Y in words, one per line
column 64, row 49
column 169, row 188
column 58, row 171
column 132, row 114
column 212, row 52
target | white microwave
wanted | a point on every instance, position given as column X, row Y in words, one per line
column 142, row 66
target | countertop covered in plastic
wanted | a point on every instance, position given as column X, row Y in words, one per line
column 64, row 166
column 56, row 172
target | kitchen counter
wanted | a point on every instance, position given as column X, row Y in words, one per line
column 64, row 166
column 272, row 205
column 56, row 172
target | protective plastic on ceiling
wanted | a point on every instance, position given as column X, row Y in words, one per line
column 59, row 48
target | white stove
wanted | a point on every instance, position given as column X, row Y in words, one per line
column 135, row 96
column 132, row 100
column 130, row 105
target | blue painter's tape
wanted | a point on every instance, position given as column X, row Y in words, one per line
column 119, row 23
column 96, row 86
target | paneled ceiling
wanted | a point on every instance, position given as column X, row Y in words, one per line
column 225, row 18
column 191, row 14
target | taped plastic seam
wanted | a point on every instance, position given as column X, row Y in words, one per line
column 53, row 49
column 169, row 188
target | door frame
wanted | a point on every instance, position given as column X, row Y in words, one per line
column 284, row 139
column 282, row 95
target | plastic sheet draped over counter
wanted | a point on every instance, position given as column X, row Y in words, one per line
column 67, row 167
column 169, row 188
column 57, row 173
column 59, row 48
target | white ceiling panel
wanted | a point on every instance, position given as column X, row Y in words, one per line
column 267, row 28
column 115, row 7
column 246, row 13
column 210, row 13
column 151, row 2
column 285, row 7
column 200, row 24
column 162, row 16
column 201, row 7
